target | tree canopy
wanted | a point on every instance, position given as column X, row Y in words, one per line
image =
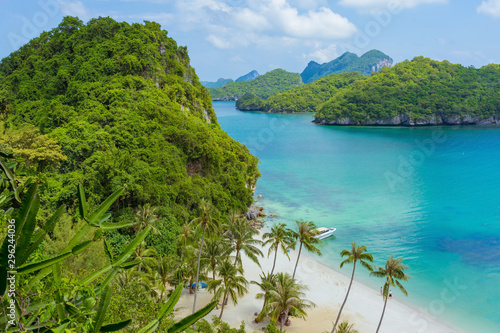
column 122, row 105
column 421, row 90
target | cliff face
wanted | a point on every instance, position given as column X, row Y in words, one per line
column 381, row 64
column 406, row 120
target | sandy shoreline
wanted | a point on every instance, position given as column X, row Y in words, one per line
column 327, row 289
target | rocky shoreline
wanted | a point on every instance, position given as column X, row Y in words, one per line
column 406, row 120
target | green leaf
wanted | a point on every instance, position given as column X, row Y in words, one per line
column 109, row 226
column 29, row 226
column 95, row 275
column 39, row 237
column 101, row 309
column 103, row 207
column 72, row 310
column 191, row 319
column 10, row 176
column 110, row 276
column 169, row 306
column 25, row 209
column 130, row 264
column 151, row 327
column 42, row 264
column 107, row 250
column 116, row 326
column 127, row 252
column 49, row 262
column 82, row 202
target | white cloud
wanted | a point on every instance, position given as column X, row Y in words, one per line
column 490, row 7
column 245, row 21
column 219, row 42
column 322, row 23
column 323, row 55
column 391, row 5
column 74, row 8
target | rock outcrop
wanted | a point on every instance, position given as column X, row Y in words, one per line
column 406, row 120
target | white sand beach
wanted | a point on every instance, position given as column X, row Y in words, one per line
column 327, row 289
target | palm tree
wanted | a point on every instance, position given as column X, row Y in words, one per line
column 231, row 284
column 357, row 254
column 393, row 271
column 286, row 299
column 305, row 234
column 146, row 255
column 208, row 222
column 265, row 285
column 215, row 251
column 144, row 217
column 184, row 238
column 345, row 327
column 188, row 271
column 279, row 236
column 162, row 269
column 241, row 236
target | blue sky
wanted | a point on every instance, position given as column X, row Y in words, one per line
column 228, row 38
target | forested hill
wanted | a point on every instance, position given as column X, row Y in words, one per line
column 418, row 92
column 371, row 61
column 306, row 98
column 272, row 82
column 124, row 107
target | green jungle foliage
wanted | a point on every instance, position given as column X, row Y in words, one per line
column 305, row 98
column 348, row 62
column 420, row 88
column 111, row 104
column 272, row 82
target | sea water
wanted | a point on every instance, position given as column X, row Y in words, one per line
column 429, row 195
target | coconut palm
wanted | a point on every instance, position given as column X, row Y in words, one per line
column 241, row 236
column 188, row 271
column 265, row 285
column 145, row 254
column 393, row 272
column 145, row 216
column 162, row 273
column 345, row 327
column 231, row 284
column 184, row 238
column 358, row 253
column 278, row 237
column 305, row 234
column 286, row 299
column 215, row 251
column 206, row 221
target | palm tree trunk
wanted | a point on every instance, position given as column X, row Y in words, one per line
column 345, row 299
column 198, row 269
column 274, row 263
column 298, row 257
column 383, row 311
column 223, row 302
column 236, row 259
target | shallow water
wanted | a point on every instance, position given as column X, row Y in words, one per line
column 428, row 195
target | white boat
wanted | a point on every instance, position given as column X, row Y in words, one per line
column 324, row 232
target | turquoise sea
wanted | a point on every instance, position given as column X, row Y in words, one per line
column 428, row 195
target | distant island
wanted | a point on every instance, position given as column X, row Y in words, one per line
column 272, row 82
column 370, row 62
column 276, row 82
column 305, row 98
column 220, row 82
column 416, row 93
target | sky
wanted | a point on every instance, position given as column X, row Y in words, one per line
column 229, row 38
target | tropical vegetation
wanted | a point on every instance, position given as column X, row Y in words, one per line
column 306, row 98
column 275, row 81
column 422, row 90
